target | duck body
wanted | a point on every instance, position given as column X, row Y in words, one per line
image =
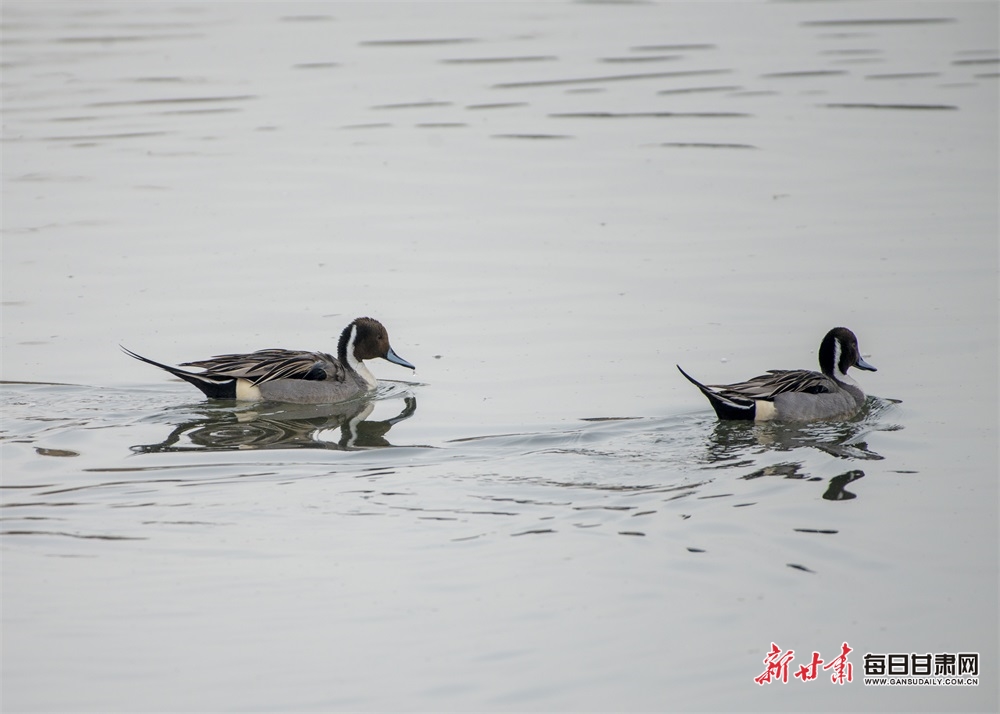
column 290, row 375
column 796, row 395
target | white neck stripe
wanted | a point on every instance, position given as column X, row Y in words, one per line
column 842, row 377
column 836, row 358
column 357, row 365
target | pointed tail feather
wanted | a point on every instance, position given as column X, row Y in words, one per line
column 725, row 407
column 212, row 387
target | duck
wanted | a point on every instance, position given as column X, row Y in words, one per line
column 796, row 395
column 290, row 375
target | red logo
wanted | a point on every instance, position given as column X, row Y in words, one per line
column 777, row 667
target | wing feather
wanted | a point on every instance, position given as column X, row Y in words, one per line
column 269, row 365
column 775, row 382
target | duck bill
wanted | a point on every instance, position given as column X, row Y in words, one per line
column 861, row 364
column 396, row 359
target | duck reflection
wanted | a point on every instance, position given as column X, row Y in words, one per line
column 341, row 427
column 735, row 444
column 836, row 490
column 732, row 443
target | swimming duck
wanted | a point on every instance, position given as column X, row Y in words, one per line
column 796, row 395
column 294, row 376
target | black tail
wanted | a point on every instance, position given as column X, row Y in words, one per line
column 725, row 407
column 212, row 387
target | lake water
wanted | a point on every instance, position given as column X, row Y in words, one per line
column 549, row 205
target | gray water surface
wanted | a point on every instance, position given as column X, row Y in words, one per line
column 549, row 206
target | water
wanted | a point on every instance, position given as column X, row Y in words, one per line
column 548, row 206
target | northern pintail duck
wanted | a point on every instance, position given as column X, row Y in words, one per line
column 796, row 395
column 293, row 376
